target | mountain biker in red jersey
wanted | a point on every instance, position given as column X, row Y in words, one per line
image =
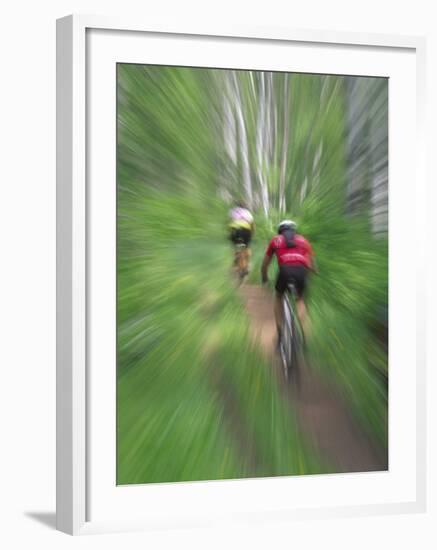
column 295, row 259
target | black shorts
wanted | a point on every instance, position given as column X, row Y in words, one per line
column 296, row 274
column 241, row 235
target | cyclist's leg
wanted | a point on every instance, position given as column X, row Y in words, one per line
column 242, row 260
column 301, row 309
column 245, row 266
column 302, row 315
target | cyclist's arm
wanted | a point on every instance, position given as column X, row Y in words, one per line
column 266, row 262
column 265, row 268
column 313, row 266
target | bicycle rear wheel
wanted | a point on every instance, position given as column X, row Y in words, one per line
column 290, row 345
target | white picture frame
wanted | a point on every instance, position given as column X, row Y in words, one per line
column 73, row 289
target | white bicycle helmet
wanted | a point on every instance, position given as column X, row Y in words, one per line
column 286, row 224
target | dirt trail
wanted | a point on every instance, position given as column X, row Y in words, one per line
column 323, row 415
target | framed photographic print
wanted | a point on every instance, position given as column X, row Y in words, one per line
column 238, row 336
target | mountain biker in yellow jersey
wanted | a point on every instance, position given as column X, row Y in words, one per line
column 295, row 259
column 241, row 229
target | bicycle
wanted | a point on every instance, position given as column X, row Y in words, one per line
column 291, row 342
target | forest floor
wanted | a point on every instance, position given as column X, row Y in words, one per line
column 323, row 415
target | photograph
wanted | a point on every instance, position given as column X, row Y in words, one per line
column 252, row 274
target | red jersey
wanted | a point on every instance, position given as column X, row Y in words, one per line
column 301, row 254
